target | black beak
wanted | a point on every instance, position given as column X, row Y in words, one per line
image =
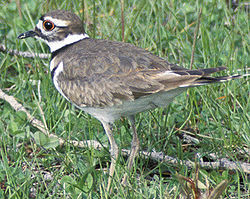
column 27, row 34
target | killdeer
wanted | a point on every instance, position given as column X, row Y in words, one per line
column 110, row 79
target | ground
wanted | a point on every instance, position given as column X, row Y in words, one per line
column 207, row 123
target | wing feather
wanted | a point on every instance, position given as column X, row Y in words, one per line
column 106, row 73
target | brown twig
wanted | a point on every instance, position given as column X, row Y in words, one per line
column 41, row 111
column 19, row 8
column 195, row 37
column 157, row 156
column 221, row 163
column 122, row 18
column 23, row 54
column 19, row 107
column 38, row 124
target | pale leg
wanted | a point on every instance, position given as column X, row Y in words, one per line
column 113, row 151
column 135, row 145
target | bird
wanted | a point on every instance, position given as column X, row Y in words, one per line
column 112, row 79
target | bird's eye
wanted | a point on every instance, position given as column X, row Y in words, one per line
column 48, row 25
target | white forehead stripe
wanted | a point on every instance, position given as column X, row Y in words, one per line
column 55, row 45
column 39, row 25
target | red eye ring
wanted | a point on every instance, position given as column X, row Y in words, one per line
column 48, row 25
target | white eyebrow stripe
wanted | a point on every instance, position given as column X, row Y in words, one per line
column 58, row 22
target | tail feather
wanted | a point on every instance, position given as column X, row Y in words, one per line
column 208, row 71
column 200, row 72
column 210, row 80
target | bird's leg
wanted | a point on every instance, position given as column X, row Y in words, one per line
column 135, row 145
column 113, row 151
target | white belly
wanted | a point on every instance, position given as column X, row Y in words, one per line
column 110, row 114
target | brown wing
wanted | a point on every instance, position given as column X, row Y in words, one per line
column 108, row 73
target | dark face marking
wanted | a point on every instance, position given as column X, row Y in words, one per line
column 39, row 34
column 42, row 18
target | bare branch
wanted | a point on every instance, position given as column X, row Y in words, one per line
column 38, row 124
column 157, row 156
column 19, row 107
column 221, row 163
column 4, row 49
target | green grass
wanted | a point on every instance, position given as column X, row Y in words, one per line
column 218, row 115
